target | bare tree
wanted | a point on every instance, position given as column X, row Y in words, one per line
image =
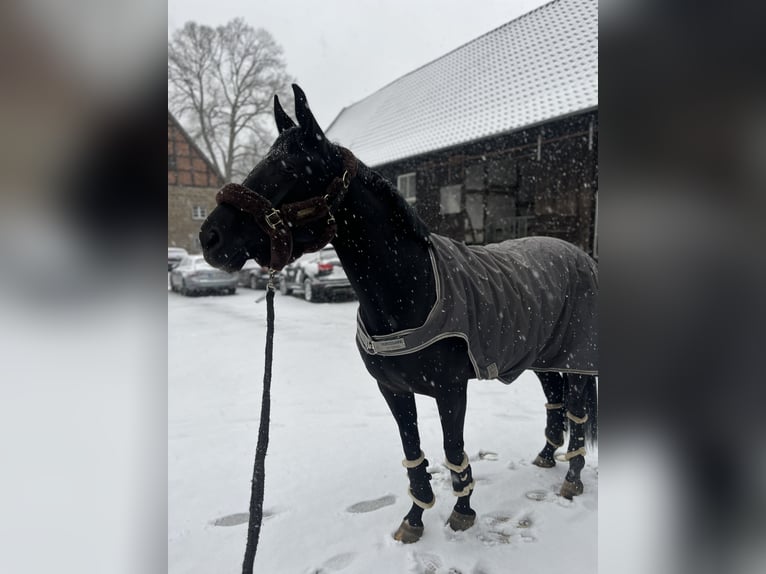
column 221, row 83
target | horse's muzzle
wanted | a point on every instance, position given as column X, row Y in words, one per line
column 217, row 253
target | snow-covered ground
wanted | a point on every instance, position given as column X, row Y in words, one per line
column 335, row 489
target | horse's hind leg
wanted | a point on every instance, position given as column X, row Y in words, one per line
column 553, row 387
column 578, row 408
column 403, row 408
column 452, row 404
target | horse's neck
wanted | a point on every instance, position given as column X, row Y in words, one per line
column 384, row 255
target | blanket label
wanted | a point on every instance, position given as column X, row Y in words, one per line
column 389, row 345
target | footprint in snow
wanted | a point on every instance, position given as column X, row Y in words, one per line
column 423, row 563
column 336, row 563
column 239, row 518
column 427, row 563
column 518, row 463
column 503, row 528
column 487, row 455
column 371, row 505
column 232, row 519
column 503, row 520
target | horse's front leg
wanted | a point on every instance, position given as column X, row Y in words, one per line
column 403, row 408
column 451, row 402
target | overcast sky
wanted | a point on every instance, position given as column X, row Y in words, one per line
column 341, row 51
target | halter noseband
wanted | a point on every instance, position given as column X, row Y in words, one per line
column 278, row 222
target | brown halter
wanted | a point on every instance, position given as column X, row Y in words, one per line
column 277, row 223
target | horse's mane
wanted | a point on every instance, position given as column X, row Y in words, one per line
column 384, row 190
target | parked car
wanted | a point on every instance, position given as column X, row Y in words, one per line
column 317, row 276
column 194, row 275
column 255, row 276
column 175, row 254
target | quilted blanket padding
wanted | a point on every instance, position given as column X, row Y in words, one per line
column 521, row 304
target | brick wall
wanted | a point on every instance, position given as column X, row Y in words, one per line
column 187, row 166
column 192, row 181
column 182, row 228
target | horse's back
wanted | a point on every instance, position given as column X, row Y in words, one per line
column 557, row 254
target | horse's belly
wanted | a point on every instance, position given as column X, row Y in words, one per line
column 424, row 372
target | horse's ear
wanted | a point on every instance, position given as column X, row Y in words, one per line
column 283, row 120
column 306, row 119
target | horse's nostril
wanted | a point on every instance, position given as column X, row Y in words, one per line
column 210, row 239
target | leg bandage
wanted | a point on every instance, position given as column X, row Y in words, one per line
column 462, row 477
column 414, row 463
column 554, row 425
column 420, row 503
column 576, row 419
column 419, row 482
column 553, row 444
column 571, row 454
column 458, row 468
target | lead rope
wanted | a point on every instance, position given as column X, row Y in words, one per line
column 259, row 470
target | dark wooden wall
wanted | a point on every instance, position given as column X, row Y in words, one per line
column 538, row 181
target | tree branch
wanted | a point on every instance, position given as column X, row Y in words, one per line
column 223, row 80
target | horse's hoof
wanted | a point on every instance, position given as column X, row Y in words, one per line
column 544, row 462
column 571, row 489
column 407, row 533
column 458, row 521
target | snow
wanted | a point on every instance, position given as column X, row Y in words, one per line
column 335, row 489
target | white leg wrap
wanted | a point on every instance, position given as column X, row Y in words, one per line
column 551, row 406
column 571, row 454
column 414, row 463
column 466, row 491
column 553, row 444
column 420, row 503
column 456, row 468
column 579, row 420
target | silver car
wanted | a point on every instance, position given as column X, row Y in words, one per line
column 255, row 276
column 194, row 275
column 175, row 254
column 317, row 276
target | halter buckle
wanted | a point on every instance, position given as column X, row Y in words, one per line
column 346, row 179
column 273, row 218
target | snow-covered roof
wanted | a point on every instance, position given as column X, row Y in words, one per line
column 540, row 66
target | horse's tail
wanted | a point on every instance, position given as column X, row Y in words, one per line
column 590, row 394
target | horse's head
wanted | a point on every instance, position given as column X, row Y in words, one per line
column 284, row 207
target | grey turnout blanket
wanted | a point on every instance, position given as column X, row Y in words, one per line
column 521, row 304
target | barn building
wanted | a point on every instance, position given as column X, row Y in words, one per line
column 193, row 181
column 499, row 138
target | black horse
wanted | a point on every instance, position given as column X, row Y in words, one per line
column 308, row 191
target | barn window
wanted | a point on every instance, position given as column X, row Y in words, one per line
column 199, row 212
column 405, row 183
